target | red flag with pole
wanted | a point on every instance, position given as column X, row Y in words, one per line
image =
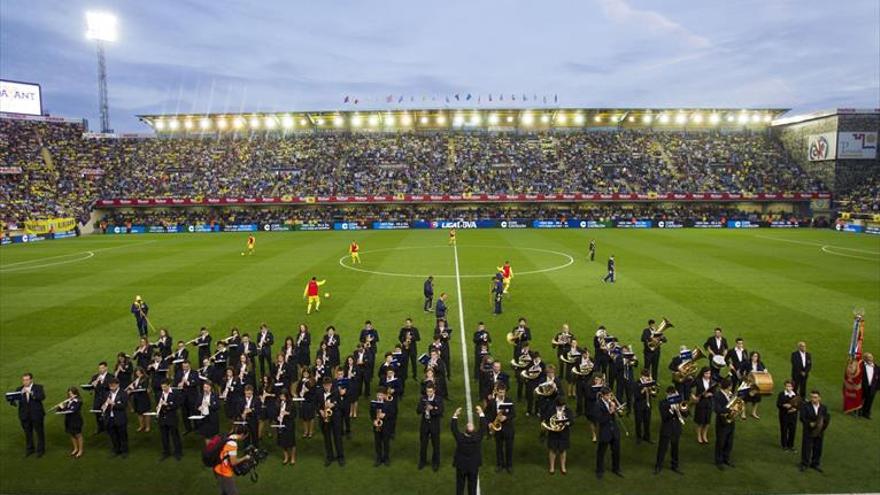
column 852, row 378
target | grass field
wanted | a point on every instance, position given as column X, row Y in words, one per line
column 64, row 307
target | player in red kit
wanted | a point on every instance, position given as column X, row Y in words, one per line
column 506, row 275
column 354, row 251
column 313, row 295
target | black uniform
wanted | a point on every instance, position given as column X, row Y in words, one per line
column 411, row 353
column 168, row 423
column 800, row 371
column 428, row 291
column 814, row 425
column 382, row 434
column 265, row 351
column 642, row 408
column 724, row 429
column 468, row 456
column 73, row 421
column 429, row 429
column 210, row 424
column 505, row 436
column 869, row 390
column 31, row 415
column 332, row 429
column 670, row 433
column 652, row 358
column 788, row 418
column 609, row 436
column 115, row 420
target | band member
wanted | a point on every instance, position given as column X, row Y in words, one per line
column 166, row 415
column 536, row 371
column 481, row 339
column 737, row 361
column 581, row 379
column 506, row 275
column 180, row 354
column 754, row 364
column 123, row 369
column 306, row 390
column 313, row 295
column 285, row 425
column 443, row 331
column 266, row 393
column 351, row 372
column 203, row 344
column 801, row 365
column 265, row 340
column 494, row 379
column 29, row 399
column 725, row 427
column 244, row 370
column 592, row 249
column 502, row 413
column 209, row 408
column 140, row 310
column 354, row 251
column 100, row 386
column 409, row 339
column 302, row 355
column 703, row 393
column 562, row 343
column 73, row 421
column 440, row 307
column 673, row 410
column 610, row 277
column 559, row 435
column 644, row 390
column 600, row 350
column 522, row 336
column 164, row 343
column 381, row 435
column 609, row 433
column 497, row 291
column 343, row 387
column 815, row 419
column 468, row 455
column 652, row 357
column 593, row 395
column 233, row 345
column 143, row 354
column 249, row 414
column 231, row 393
column 218, row 362
column 114, row 417
column 683, row 383
column 288, row 352
column 369, row 337
column 788, row 407
column 716, row 345
column 870, row 385
column 430, row 409
column 548, row 388
column 327, row 404
column 140, row 399
column 428, row 292
column 188, row 385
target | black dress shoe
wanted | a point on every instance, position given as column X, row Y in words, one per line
column 729, row 464
column 599, row 475
column 377, row 463
column 124, row 455
column 497, row 469
column 164, row 457
column 435, row 467
column 677, row 471
column 28, row 454
column 40, row 454
column 509, row 470
column 387, row 462
column 618, row 474
column 177, row 457
column 341, row 461
column 817, row 468
column 720, row 466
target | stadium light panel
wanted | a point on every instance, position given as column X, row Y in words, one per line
column 406, row 120
column 254, row 123
column 373, row 120
column 101, row 26
column 664, row 119
column 441, row 119
column 528, row 118
column 743, row 118
column 476, row 119
column 730, row 117
column 493, row 119
column 338, row 121
column 205, row 123
column 389, row 120
column 714, row 118
column 269, row 122
column 458, row 120
column 187, row 124
column 680, row 118
column 756, row 118
column 561, row 118
column 287, row 122
column 597, row 118
column 646, row 119
column 356, row 121
column 238, row 123
column 159, row 124
column 545, row 119
column 303, row 122
column 320, row 121
column 173, row 124
column 221, row 123
column 632, row 119
column 767, row 118
column 698, row 118
column 509, row 119
column 423, row 120
column 579, row 119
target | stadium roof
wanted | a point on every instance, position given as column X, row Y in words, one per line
column 499, row 119
column 795, row 119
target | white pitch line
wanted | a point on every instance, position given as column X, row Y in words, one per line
column 16, row 267
column 825, row 249
column 465, row 371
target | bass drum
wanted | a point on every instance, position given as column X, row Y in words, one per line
column 762, row 381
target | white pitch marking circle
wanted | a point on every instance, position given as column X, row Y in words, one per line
column 36, row 263
column 569, row 262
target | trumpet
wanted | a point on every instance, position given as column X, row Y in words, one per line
column 562, row 340
column 497, row 424
column 656, row 341
column 736, row 405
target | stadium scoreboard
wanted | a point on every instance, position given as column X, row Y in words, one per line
column 20, row 97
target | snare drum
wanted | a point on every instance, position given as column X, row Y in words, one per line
column 718, row 362
column 762, row 382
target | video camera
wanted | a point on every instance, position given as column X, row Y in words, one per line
column 249, row 466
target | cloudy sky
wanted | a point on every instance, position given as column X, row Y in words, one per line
column 204, row 55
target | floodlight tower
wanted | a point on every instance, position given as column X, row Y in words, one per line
column 101, row 27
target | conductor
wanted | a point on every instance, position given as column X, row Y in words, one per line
column 468, row 452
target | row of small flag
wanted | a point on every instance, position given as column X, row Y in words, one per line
column 453, row 98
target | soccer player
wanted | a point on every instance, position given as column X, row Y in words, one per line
column 251, row 243
column 452, row 237
column 611, row 271
column 354, row 251
column 506, row 274
column 592, row 249
column 312, row 294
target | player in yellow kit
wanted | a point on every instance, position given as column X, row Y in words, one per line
column 354, row 251
column 251, row 244
column 506, row 274
column 312, row 292
column 452, row 237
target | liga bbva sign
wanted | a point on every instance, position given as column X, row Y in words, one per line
column 857, row 145
column 821, row 147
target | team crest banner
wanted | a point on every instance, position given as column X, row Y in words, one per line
column 852, row 379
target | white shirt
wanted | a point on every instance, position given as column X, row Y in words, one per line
column 739, row 354
column 803, row 358
column 112, row 401
column 816, row 409
column 718, row 342
column 869, row 372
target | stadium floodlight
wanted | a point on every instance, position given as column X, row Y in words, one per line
column 303, row 122
column 173, row 124
column 714, row 119
column 159, row 124
column 423, row 120
column 389, row 120
column 664, row 118
column 238, row 123
column 680, row 118
column 509, row 119
column 406, row 120
column 767, row 118
column 476, row 119
column 441, row 119
column 756, row 118
column 646, row 119
column 101, row 27
column 730, row 117
column 597, row 118
column 743, row 118
column 356, row 120
column 287, row 122
column 493, row 119
column 561, row 118
column 205, row 123
column 221, row 123
column 697, row 118
column 458, row 120
column 338, row 121
column 528, row 118
column 187, row 124
column 319, row 121
column 374, row 120
column 579, row 119
column 269, row 122
column 255, row 122
column 545, row 119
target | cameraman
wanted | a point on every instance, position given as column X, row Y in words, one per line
column 229, row 458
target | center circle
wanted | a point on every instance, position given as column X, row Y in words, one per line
column 569, row 260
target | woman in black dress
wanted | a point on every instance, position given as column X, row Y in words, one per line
column 288, row 350
column 143, row 354
column 331, row 343
column 285, row 425
column 753, row 397
column 352, row 372
column 209, row 407
column 303, row 341
column 164, row 343
column 73, row 421
column 231, row 393
column 305, row 390
column 233, row 345
column 595, row 387
column 559, row 441
column 123, row 369
column 268, row 399
column 702, row 393
column 139, row 398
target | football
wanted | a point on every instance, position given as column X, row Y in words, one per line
column 326, row 295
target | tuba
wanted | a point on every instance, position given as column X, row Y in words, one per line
column 736, row 405
column 688, row 368
column 654, row 342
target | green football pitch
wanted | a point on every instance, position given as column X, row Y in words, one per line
column 64, row 306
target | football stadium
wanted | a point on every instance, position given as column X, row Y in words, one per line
column 431, row 289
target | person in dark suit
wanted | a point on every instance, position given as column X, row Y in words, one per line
column 115, row 419
column 724, row 427
column 642, row 393
column 369, row 338
column 611, row 276
column 468, row 452
column 609, row 433
column 140, row 310
column 265, row 340
column 652, row 358
column 99, row 384
column 673, row 410
column 430, row 409
column 169, row 402
column 523, row 337
column 73, row 421
column 329, row 407
column 409, row 333
column 559, row 439
column 801, row 365
column 788, row 415
column 189, row 389
column 500, row 408
column 208, row 405
column 428, row 291
column 737, row 361
column 285, row 425
column 716, row 345
column 870, row 384
column 815, row 419
column 440, row 307
column 29, row 400
column 249, row 409
column 381, row 434
column 444, row 332
column 203, row 343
